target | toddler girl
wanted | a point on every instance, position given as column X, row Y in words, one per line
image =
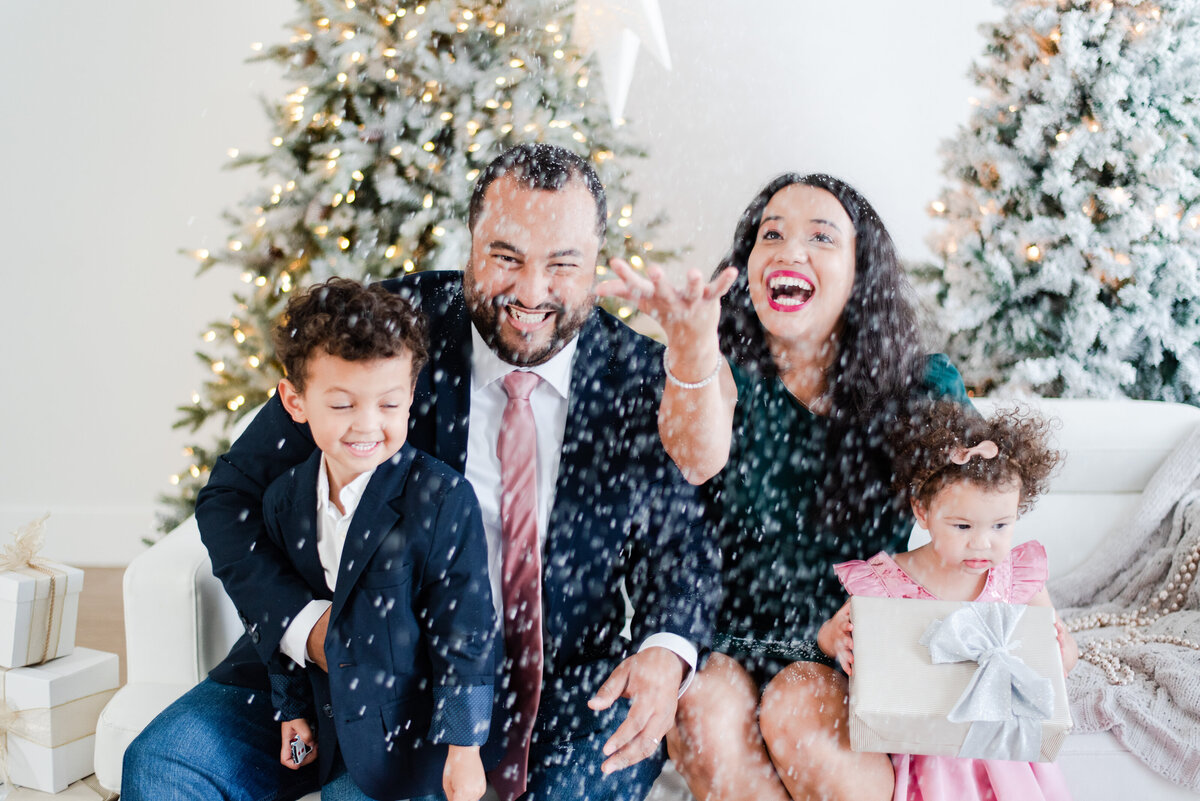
column 968, row 480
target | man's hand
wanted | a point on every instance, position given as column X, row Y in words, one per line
column 292, row 728
column 836, row 638
column 462, row 777
column 650, row 679
column 316, row 641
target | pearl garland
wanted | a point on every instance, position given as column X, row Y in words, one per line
column 1103, row 653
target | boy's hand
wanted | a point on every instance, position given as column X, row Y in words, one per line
column 836, row 638
column 463, row 778
column 293, row 728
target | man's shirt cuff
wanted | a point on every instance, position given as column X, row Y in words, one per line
column 294, row 642
column 682, row 647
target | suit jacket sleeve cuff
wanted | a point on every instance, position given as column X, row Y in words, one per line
column 462, row 715
column 291, row 694
column 294, row 642
column 683, row 648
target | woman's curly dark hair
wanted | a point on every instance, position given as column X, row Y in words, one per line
column 351, row 321
column 877, row 368
column 922, row 454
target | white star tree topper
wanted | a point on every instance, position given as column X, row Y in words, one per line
column 614, row 30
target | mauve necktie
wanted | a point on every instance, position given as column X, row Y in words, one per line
column 521, row 577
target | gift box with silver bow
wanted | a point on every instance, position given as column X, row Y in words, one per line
column 39, row 601
column 978, row 680
column 48, row 717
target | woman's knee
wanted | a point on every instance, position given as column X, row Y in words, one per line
column 723, row 693
column 805, row 705
column 715, row 716
column 804, row 724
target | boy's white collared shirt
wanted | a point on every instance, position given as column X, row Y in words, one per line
column 332, row 526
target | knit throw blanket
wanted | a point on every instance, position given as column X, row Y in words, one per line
column 1135, row 609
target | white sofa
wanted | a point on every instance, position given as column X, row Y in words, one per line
column 178, row 621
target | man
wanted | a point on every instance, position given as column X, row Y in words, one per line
column 598, row 496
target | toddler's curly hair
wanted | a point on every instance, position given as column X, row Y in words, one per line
column 351, row 321
column 922, row 464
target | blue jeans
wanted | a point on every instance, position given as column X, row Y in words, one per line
column 221, row 742
column 341, row 787
column 217, row 742
column 570, row 770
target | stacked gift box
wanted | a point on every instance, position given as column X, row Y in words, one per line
column 51, row 692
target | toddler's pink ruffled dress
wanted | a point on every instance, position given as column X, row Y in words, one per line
column 938, row 778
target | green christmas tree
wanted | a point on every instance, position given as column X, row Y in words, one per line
column 394, row 110
column 1069, row 250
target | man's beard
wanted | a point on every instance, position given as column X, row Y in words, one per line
column 485, row 314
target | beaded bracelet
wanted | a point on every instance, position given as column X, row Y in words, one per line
column 684, row 384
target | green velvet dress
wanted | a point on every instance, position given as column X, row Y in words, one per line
column 778, row 555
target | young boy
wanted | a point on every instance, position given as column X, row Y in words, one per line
column 401, row 636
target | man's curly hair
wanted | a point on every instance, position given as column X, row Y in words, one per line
column 350, row 321
column 922, row 465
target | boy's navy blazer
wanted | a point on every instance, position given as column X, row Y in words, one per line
column 410, row 644
column 622, row 511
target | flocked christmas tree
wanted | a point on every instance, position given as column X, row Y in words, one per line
column 394, row 110
column 1071, row 237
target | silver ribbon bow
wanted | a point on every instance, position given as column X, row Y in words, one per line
column 1006, row 700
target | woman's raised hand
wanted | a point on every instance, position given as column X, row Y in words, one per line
column 686, row 314
column 695, row 418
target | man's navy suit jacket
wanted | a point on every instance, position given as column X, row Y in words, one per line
column 411, row 638
column 622, row 511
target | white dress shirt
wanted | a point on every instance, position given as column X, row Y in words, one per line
column 549, row 402
column 332, row 526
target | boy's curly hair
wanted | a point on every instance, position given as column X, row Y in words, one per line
column 351, row 321
column 922, row 465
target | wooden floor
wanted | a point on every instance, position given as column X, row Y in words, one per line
column 101, row 615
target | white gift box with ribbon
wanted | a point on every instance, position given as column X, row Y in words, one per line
column 39, row 607
column 48, row 718
column 39, row 601
column 992, row 686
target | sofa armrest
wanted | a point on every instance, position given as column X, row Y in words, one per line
column 178, row 620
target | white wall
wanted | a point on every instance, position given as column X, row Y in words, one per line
column 118, row 119
column 119, row 115
column 863, row 90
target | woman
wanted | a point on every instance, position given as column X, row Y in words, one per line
column 823, row 358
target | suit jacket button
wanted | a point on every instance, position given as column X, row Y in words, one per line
column 328, row 708
column 254, row 635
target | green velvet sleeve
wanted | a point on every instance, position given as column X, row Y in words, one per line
column 943, row 381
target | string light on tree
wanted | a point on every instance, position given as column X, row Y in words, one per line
column 1068, row 238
